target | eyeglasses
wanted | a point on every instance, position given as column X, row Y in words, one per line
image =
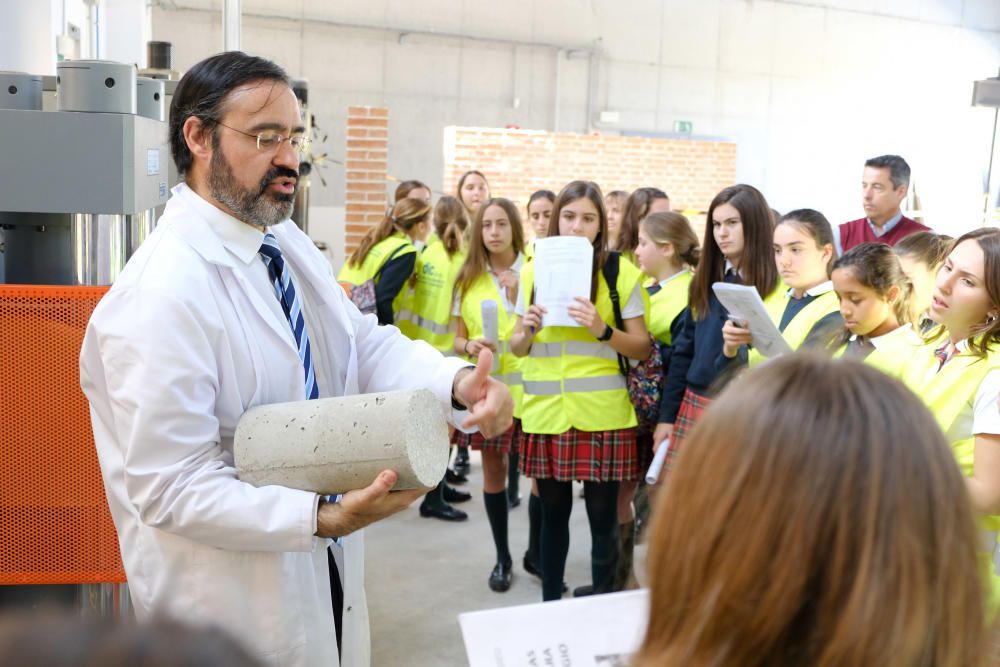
column 269, row 140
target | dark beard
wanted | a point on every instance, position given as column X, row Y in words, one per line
column 257, row 208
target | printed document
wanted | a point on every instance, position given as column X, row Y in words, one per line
column 562, row 273
column 742, row 302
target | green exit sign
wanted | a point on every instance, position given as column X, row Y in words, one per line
column 683, row 126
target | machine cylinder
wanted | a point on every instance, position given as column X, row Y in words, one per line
column 20, row 91
column 150, row 98
column 98, row 86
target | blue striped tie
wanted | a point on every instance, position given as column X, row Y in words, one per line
column 284, row 289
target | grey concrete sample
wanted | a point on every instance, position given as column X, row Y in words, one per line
column 333, row 445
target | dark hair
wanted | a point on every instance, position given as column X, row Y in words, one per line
column 540, row 194
column 983, row 337
column 592, row 191
column 815, row 224
column 899, row 171
column 636, row 208
column 877, row 267
column 404, row 189
column 757, row 266
column 927, row 247
column 478, row 256
column 450, row 222
column 673, row 228
column 815, row 517
column 203, row 90
column 402, row 217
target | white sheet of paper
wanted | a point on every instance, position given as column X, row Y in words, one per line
column 594, row 631
column 562, row 273
column 742, row 302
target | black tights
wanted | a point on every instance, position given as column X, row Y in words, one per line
column 601, row 499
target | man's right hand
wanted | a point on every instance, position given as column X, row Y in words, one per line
column 361, row 507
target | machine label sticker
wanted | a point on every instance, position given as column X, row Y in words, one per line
column 152, row 162
column 163, row 190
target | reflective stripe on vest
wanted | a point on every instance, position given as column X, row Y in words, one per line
column 575, row 347
column 574, row 385
column 423, row 322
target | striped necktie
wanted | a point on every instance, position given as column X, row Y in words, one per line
column 284, row 289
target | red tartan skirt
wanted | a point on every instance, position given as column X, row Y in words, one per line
column 692, row 406
column 595, row 456
column 505, row 443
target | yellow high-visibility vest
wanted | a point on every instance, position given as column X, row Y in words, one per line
column 428, row 316
column 667, row 304
column 374, row 260
column 796, row 331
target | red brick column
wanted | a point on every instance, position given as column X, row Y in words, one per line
column 367, row 155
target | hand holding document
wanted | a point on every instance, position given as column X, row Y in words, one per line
column 563, row 267
column 744, row 303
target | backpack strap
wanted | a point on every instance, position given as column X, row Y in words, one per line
column 610, row 273
column 378, row 274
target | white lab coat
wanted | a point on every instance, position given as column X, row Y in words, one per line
column 177, row 351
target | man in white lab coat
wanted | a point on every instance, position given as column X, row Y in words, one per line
column 198, row 329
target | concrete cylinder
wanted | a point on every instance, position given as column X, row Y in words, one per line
column 333, row 445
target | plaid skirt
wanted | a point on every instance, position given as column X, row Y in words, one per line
column 692, row 406
column 598, row 456
column 505, row 443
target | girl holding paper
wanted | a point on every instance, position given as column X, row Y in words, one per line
column 737, row 249
column 577, row 418
column 809, row 309
column 486, row 289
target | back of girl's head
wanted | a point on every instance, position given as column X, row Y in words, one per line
column 404, row 189
column 815, row 224
column 815, row 517
column 476, row 260
column 580, row 190
column 450, row 222
column 877, row 267
column 636, row 208
column 927, row 247
column 757, row 266
column 673, row 228
column 403, row 216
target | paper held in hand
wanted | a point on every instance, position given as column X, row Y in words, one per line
column 742, row 302
column 562, row 273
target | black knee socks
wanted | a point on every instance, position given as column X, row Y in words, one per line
column 513, row 476
column 602, row 512
column 557, row 505
column 534, row 529
column 496, row 511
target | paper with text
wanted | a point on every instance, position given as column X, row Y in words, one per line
column 742, row 302
column 562, row 272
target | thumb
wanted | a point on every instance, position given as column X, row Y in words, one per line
column 382, row 484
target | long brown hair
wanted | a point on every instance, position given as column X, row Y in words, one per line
column 402, row 217
column 983, row 337
column 815, row 517
column 461, row 182
column 404, row 189
column 478, row 256
column 673, row 228
column 636, row 208
column 592, row 191
column 450, row 222
column 757, row 266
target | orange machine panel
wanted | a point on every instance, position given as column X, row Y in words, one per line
column 54, row 517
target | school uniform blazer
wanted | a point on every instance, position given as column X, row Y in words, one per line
column 180, row 347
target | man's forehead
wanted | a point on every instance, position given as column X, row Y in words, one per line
column 878, row 174
column 259, row 98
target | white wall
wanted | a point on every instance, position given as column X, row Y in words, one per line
column 808, row 89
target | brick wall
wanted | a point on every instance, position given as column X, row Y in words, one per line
column 518, row 162
column 367, row 155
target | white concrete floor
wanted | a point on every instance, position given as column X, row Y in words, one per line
column 422, row 573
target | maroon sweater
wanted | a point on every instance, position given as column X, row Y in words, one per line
column 857, row 232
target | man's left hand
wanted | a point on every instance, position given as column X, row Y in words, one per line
column 488, row 400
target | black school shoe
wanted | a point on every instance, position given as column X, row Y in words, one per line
column 500, row 577
column 461, row 465
column 443, row 512
column 453, row 477
column 455, row 496
column 532, row 569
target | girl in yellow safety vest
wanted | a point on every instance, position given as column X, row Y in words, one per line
column 387, row 256
column 875, row 298
column 809, row 309
column 576, row 415
column 490, row 274
column 639, row 204
column 737, row 248
column 957, row 373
